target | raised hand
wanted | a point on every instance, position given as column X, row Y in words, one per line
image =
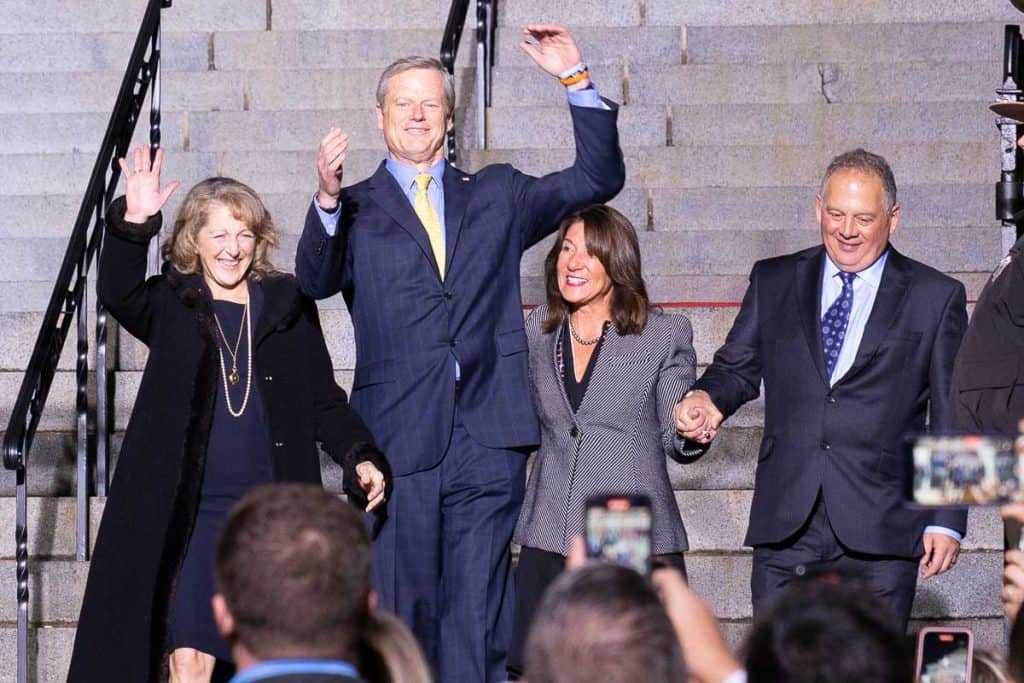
column 329, row 161
column 142, row 190
column 555, row 49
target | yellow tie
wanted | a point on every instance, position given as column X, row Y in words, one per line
column 425, row 210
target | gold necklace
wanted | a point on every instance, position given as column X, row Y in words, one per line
column 233, row 377
column 247, row 323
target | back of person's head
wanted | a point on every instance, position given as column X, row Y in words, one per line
column 987, row 667
column 818, row 631
column 293, row 569
column 389, row 652
column 602, row 622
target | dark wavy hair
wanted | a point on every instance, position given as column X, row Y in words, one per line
column 611, row 238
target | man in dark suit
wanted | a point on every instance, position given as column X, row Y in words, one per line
column 427, row 258
column 855, row 345
column 293, row 582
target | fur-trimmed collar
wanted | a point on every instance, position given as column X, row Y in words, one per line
column 282, row 303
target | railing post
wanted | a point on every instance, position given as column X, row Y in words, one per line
column 21, row 558
column 82, row 416
column 482, row 68
column 102, row 376
column 154, row 127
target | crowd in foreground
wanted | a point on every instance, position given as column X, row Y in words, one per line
column 295, row 604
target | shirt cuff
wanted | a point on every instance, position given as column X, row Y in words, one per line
column 588, row 97
column 737, row 676
column 945, row 532
column 328, row 220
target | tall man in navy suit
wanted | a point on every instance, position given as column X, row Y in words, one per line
column 855, row 344
column 427, row 258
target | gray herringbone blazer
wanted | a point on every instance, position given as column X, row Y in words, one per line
column 617, row 441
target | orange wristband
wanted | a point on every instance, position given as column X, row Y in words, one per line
column 573, row 80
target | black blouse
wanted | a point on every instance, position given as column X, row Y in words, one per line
column 575, row 390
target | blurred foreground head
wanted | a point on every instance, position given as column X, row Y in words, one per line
column 836, row 632
column 602, row 622
column 293, row 574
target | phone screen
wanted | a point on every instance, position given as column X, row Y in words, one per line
column 944, row 657
column 619, row 530
column 967, row 470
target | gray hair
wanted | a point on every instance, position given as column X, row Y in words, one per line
column 865, row 162
column 408, row 63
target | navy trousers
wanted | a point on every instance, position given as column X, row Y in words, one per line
column 815, row 546
column 442, row 559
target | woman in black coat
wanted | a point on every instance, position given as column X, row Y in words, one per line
column 237, row 391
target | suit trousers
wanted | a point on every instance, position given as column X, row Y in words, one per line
column 815, row 547
column 443, row 561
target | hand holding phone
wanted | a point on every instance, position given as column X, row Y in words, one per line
column 944, row 655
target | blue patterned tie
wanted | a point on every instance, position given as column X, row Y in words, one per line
column 833, row 323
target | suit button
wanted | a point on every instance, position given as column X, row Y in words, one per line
column 452, row 343
column 269, row 378
column 574, row 432
column 825, row 445
column 448, row 295
column 830, row 398
column 278, row 444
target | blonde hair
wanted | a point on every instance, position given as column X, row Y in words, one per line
column 390, row 654
column 182, row 250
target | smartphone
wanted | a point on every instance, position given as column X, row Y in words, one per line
column 967, row 470
column 944, row 655
column 618, row 529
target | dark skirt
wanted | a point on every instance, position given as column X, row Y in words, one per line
column 192, row 622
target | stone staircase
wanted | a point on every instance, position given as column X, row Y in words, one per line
column 731, row 111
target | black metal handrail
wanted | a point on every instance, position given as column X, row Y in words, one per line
column 486, row 24
column 66, row 302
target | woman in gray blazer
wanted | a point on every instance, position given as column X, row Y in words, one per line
column 606, row 370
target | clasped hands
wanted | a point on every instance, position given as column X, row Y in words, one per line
column 697, row 418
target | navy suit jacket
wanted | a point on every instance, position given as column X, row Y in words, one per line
column 408, row 322
column 846, row 441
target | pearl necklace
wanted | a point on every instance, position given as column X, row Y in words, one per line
column 248, row 375
column 580, row 340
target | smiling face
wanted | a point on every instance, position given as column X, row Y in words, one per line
column 855, row 225
column 225, row 245
column 582, row 278
column 414, row 117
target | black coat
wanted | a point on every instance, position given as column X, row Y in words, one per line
column 990, row 365
column 122, row 630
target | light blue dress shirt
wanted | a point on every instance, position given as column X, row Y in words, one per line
column 293, row 667
column 865, row 289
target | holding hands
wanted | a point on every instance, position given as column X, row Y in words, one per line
column 554, row 50
column 696, row 417
column 142, row 190
column 371, row 481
